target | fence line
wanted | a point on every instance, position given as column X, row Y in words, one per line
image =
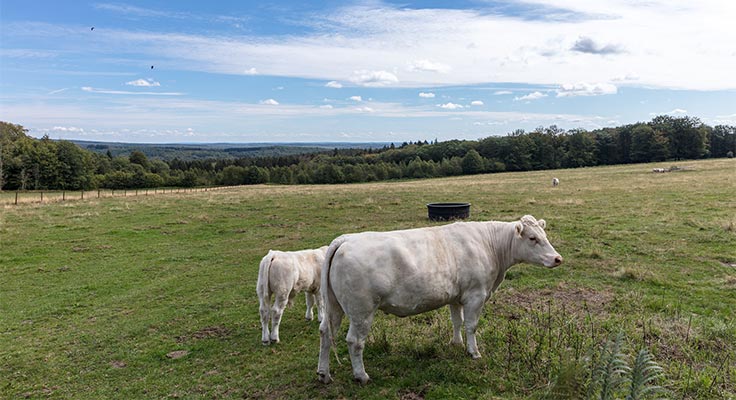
column 29, row 197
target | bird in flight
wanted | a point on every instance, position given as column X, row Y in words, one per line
column 151, row 66
column 93, row 28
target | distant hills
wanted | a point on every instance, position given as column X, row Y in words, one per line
column 198, row 151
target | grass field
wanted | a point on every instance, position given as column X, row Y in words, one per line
column 96, row 295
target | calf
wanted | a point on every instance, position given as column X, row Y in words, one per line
column 281, row 275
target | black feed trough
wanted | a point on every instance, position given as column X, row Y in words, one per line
column 448, row 211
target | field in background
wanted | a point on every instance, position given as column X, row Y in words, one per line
column 98, row 295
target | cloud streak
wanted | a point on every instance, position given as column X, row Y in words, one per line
column 125, row 92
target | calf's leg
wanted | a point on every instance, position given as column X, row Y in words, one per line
column 310, row 303
column 265, row 316
column 277, row 311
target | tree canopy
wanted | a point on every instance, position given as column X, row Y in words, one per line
column 27, row 163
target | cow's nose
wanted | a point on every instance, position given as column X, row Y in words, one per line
column 558, row 260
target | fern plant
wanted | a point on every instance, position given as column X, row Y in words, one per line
column 611, row 371
column 644, row 375
column 611, row 377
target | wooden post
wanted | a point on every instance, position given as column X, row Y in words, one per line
column 82, row 194
column 41, row 197
column 16, row 197
column 63, row 195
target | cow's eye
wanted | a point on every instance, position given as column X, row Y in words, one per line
column 533, row 238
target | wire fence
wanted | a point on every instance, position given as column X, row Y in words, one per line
column 50, row 196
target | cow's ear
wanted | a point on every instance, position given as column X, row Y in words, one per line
column 519, row 228
column 542, row 223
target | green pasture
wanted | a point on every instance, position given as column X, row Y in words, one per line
column 154, row 296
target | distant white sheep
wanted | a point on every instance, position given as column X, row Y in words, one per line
column 555, row 181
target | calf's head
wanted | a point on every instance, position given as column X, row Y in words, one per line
column 531, row 244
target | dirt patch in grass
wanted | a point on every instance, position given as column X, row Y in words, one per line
column 409, row 394
column 575, row 300
column 217, row 332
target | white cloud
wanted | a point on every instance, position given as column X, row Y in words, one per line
column 123, row 92
column 143, row 83
column 450, row 106
column 428, row 66
column 373, row 78
column 476, row 103
column 587, row 45
column 586, row 89
column 356, row 98
column 675, row 112
column 251, row 71
column 377, row 39
column 326, row 106
column 428, row 95
column 365, row 109
column 333, row 84
column 502, row 92
column 269, row 102
column 67, row 129
column 530, row 96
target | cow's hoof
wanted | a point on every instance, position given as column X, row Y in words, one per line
column 362, row 379
column 308, row 318
column 476, row 356
column 265, row 342
column 324, row 377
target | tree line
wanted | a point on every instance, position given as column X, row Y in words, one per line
column 27, row 163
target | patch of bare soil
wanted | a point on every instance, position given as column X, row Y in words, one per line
column 575, row 300
column 218, row 331
column 177, row 354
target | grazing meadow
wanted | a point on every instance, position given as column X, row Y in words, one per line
column 154, row 296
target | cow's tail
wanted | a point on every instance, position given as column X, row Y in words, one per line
column 262, row 287
column 329, row 299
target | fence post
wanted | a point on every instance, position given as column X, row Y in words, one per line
column 16, row 197
column 41, row 197
column 63, row 195
column 98, row 193
column 82, row 194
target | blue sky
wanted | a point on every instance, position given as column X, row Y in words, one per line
column 242, row 71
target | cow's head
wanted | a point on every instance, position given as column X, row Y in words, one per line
column 531, row 244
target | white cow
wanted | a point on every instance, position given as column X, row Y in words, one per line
column 417, row 270
column 555, row 181
column 283, row 274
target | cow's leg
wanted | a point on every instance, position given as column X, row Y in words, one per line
column 265, row 316
column 456, row 312
column 310, row 303
column 277, row 311
column 472, row 310
column 327, row 330
column 360, row 326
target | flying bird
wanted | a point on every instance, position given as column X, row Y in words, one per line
column 151, row 66
column 93, row 28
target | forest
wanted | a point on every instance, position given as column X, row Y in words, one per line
column 27, row 163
